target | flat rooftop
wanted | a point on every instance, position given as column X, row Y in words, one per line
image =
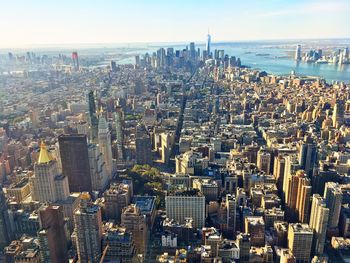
column 144, row 203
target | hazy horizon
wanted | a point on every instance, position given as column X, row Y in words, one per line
column 46, row 23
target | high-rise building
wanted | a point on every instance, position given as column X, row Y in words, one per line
column 113, row 66
column 298, row 53
column 338, row 113
column 98, row 175
column 255, row 226
column 135, row 223
column 105, row 144
column 116, row 198
column 49, row 185
column 75, row 161
column 319, row 222
column 93, row 120
column 208, row 44
column 143, row 146
column 300, row 241
column 75, row 60
column 192, row 50
column 264, row 161
column 88, row 230
column 231, row 212
column 52, row 235
column 118, row 244
column 118, row 117
column 185, row 204
column 278, row 171
column 5, row 227
column 298, row 196
column 243, row 242
column 333, row 197
column 307, row 155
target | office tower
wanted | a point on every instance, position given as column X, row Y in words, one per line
column 184, row 204
column 300, row 241
column 243, row 242
column 75, row 60
column 192, row 50
column 75, row 161
column 93, row 120
column 105, row 144
column 143, row 146
column 298, row 53
column 48, row 184
column 338, row 113
column 255, row 226
column 298, row 195
column 88, row 230
column 118, row 117
column 5, row 227
column 264, row 161
column 319, row 222
column 231, row 211
column 280, row 233
column 113, row 66
column 52, row 235
column 116, row 198
column 118, row 244
column 307, row 155
column 135, row 223
column 98, row 174
column 333, row 197
column 208, row 44
column 278, row 171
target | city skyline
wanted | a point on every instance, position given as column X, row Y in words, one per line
column 41, row 23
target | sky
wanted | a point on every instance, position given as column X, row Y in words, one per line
column 26, row 23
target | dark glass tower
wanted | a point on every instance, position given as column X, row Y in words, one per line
column 75, row 161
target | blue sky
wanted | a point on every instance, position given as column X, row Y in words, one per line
column 41, row 22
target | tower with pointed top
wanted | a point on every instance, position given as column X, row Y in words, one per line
column 208, row 43
column 105, row 144
column 49, row 185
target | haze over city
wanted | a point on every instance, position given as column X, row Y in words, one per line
column 40, row 22
column 175, row 131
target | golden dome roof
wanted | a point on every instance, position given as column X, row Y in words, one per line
column 44, row 156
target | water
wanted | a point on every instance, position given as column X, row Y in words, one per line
column 276, row 57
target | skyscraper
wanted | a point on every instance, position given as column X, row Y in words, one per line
column 143, row 146
column 184, row 204
column 333, row 197
column 5, row 227
column 298, row 53
column 308, row 155
column 208, row 44
column 49, row 184
column 318, row 222
column 105, row 144
column 88, row 230
column 135, row 223
column 231, row 212
column 75, row 60
column 52, row 236
column 300, row 241
column 75, row 161
column 297, row 203
column 92, row 117
column 120, row 133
